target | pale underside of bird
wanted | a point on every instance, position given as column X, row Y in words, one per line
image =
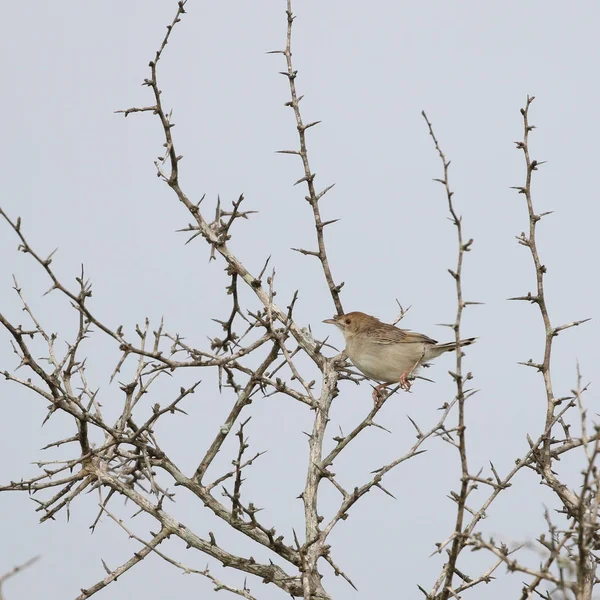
column 387, row 353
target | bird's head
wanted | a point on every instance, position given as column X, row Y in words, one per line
column 353, row 323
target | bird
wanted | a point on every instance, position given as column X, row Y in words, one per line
column 386, row 353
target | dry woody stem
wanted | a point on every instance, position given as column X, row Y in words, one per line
column 263, row 354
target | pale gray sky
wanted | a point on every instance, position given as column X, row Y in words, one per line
column 82, row 178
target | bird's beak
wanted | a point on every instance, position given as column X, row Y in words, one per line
column 330, row 321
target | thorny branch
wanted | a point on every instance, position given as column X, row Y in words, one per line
column 462, row 394
column 313, row 197
column 574, row 544
column 578, row 508
column 124, row 458
column 542, row 452
column 14, row 571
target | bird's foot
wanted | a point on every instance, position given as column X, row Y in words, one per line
column 405, row 384
column 377, row 399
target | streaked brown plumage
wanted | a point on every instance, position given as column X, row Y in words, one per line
column 386, row 353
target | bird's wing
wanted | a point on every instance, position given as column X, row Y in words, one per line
column 394, row 335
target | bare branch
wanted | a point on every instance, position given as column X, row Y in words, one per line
column 458, row 541
column 309, row 177
column 14, row 571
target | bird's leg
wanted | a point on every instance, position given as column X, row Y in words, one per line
column 404, row 382
column 376, row 391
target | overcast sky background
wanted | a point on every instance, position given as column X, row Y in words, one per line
column 82, row 178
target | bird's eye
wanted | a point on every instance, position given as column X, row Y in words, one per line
column 347, row 321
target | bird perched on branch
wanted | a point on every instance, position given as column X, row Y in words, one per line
column 386, row 353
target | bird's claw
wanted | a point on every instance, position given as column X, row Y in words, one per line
column 377, row 399
column 404, row 383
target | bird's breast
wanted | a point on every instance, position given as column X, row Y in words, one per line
column 384, row 362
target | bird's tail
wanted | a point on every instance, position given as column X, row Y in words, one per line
column 448, row 347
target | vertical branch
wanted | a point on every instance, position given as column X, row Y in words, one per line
column 588, row 509
column 312, row 549
column 540, row 270
column 459, row 540
column 236, row 509
column 543, row 456
column 309, row 177
column 314, row 546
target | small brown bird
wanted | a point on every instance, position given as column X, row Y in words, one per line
column 386, row 353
